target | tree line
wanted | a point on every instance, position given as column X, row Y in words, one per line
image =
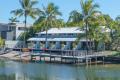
column 99, row 27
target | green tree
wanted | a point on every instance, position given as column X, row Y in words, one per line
column 13, row 19
column 96, row 26
column 112, row 25
column 2, row 42
column 48, row 18
column 88, row 9
column 75, row 18
column 30, row 33
column 109, row 22
column 27, row 9
column 116, row 34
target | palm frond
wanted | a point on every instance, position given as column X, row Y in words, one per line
column 18, row 12
column 33, row 3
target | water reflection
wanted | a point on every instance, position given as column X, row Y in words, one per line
column 10, row 70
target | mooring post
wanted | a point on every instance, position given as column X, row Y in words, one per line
column 96, row 60
column 86, row 58
column 31, row 57
column 61, row 59
column 86, row 61
column 103, row 59
column 44, row 58
column 40, row 58
column 61, row 55
column 50, row 58
column 54, row 59
column 90, row 61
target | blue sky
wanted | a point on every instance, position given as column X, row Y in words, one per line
column 110, row 7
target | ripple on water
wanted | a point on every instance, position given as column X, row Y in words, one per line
column 43, row 71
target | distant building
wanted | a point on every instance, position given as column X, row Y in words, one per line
column 20, row 29
column 11, row 31
column 4, row 30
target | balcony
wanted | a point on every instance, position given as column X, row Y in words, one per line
column 58, row 36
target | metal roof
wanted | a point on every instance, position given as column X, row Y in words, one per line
column 63, row 30
column 70, row 30
column 54, row 39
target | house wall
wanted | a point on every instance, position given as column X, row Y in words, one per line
column 9, row 31
column 20, row 27
column 10, row 35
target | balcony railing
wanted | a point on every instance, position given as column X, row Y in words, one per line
column 58, row 36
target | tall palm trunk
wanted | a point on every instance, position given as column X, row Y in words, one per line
column 46, row 38
column 111, row 35
column 25, row 25
column 87, row 46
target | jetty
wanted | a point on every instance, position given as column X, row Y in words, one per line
column 65, row 56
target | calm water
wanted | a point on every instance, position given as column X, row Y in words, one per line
column 10, row 70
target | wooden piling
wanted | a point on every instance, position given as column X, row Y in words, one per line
column 50, row 58
column 96, row 60
column 103, row 60
column 40, row 58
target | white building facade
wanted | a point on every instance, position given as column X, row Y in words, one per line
column 11, row 32
column 62, row 38
column 59, row 38
column 18, row 29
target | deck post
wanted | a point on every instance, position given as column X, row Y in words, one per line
column 77, row 61
column 103, row 59
column 31, row 57
column 44, row 58
column 90, row 61
column 54, row 59
column 86, row 58
column 40, row 58
column 86, row 61
column 74, row 56
column 96, row 60
column 61, row 59
column 61, row 56
column 50, row 58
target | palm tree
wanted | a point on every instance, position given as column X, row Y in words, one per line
column 75, row 18
column 2, row 42
column 13, row 19
column 27, row 9
column 116, row 34
column 48, row 18
column 117, row 18
column 111, row 24
column 88, row 9
column 96, row 24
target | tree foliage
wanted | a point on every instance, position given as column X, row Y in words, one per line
column 98, row 27
column 2, row 42
column 27, row 9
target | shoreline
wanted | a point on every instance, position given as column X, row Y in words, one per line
column 25, row 57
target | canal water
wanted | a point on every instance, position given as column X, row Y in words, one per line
column 10, row 70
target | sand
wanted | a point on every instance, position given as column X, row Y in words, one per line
column 14, row 55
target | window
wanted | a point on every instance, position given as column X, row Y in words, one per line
column 11, row 27
column 21, row 28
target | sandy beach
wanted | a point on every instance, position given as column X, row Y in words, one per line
column 14, row 55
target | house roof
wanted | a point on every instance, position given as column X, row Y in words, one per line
column 54, row 39
column 63, row 30
column 70, row 30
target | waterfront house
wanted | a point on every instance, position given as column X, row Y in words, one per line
column 61, row 38
column 10, row 32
